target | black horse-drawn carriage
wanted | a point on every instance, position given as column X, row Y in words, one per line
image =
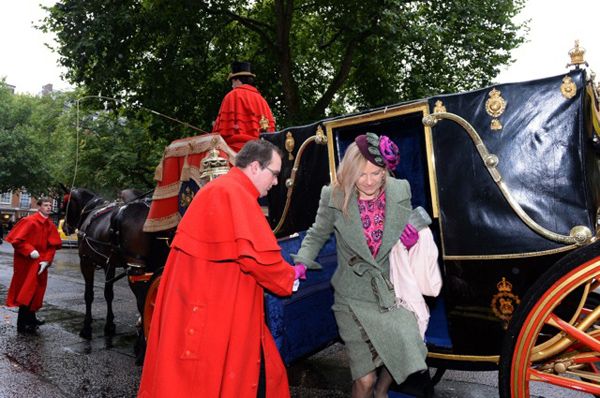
column 510, row 176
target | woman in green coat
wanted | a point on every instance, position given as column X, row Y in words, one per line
column 367, row 209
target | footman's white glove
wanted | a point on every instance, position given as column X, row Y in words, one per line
column 34, row 254
column 43, row 266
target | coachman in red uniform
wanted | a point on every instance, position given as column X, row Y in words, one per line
column 35, row 240
column 208, row 336
column 244, row 113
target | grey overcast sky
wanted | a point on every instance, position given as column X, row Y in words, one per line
column 554, row 27
column 28, row 64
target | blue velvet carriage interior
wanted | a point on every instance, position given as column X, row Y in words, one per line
column 304, row 323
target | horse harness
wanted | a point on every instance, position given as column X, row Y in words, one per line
column 91, row 210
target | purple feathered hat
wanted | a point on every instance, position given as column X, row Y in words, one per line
column 380, row 151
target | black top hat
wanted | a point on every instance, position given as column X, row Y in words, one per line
column 240, row 69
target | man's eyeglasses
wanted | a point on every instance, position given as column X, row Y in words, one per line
column 275, row 173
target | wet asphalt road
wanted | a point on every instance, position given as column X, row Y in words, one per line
column 58, row 363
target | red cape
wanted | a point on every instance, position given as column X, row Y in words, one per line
column 34, row 232
column 208, row 324
column 239, row 117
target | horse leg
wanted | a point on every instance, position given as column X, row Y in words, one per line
column 87, row 270
column 109, row 326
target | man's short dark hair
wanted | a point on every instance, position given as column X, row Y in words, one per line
column 44, row 199
column 256, row 150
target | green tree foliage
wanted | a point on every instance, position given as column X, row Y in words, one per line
column 22, row 162
column 116, row 153
column 312, row 58
column 46, row 143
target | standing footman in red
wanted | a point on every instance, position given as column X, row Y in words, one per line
column 35, row 240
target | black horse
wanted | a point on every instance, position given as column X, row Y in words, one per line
column 110, row 238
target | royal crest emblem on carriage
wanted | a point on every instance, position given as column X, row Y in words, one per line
column 495, row 107
column 504, row 302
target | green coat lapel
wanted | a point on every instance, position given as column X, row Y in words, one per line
column 394, row 221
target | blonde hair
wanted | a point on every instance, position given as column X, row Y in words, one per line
column 348, row 173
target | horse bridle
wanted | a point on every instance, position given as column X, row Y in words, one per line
column 87, row 208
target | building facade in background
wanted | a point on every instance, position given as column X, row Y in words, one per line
column 15, row 205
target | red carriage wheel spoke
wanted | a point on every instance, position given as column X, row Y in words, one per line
column 572, row 331
column 574, row 384
column 588, row 359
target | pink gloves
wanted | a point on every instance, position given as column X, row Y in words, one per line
column 409, row 236
column 300, row 271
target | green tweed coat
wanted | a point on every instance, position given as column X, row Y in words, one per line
column 364, row 304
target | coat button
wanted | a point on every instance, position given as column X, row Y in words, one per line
column 191, row 332
column 195, row 308
column 187, row 353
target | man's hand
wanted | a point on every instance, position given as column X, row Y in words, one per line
column 34, row 254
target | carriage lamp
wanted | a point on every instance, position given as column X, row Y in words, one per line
column 213, row 166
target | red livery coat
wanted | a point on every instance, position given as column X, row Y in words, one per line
column 34, row 232
column 239, row 117
column 208, row 324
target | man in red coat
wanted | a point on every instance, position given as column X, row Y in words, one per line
column 244, row 113
column 208, row 336
column 35, row 240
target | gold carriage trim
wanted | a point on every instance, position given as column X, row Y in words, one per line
column 495, row 106
column 577, row 56
column 290, row 143
column 504, row 302
column 579, row 234
column 568, row 89
column 320, row 139
column 264, row 123
column 439, row 107
column 212, row 166
column 465, row 358
column 507, row 256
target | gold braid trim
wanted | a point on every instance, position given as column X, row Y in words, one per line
column 158, row 173
column 163, row 223
column 168, row 191
column 199, row 144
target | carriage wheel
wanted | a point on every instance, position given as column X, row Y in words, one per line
column 149, row 303
column 554, row 337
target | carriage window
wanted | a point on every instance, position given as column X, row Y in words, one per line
column 25, row 200
column 5, row 197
